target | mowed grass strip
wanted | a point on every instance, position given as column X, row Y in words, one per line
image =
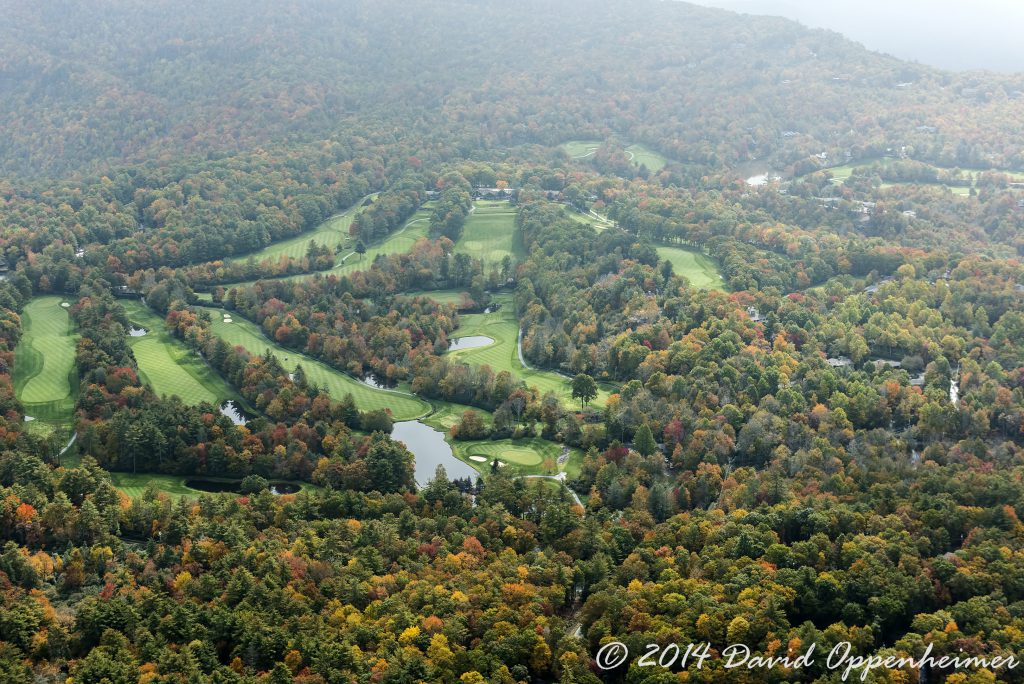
column 399, row 242
column 330, row 233
column 581, row 149
column 170, row 367
column 490, row 233
column 643, row 155
column 502, row 326
column 245, row 333
column 44, row 360
column 524, row 456
column 700, row 269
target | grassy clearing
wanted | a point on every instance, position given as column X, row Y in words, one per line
column 638, row 154
column 331, row 233
column 490, row 233
column 44, row 362
column 168, row 366
column 581, row 149
column 349, row 262
column 532, row 456
column 503, row 327
column 645, row 156
column 457, row 297
column 135, row 484
column 700, row 269
column 841, row 174
column 247, row 334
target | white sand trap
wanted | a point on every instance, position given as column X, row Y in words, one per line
column 228, row 320
column 65, row 305
column 478, row 459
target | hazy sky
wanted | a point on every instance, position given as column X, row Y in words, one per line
column 952, row 34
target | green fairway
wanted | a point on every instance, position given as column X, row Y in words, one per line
column 841, row 174
column 168, row 366
column 245, row 333
column 44, row 361
column 331, row 233
column 457, row 297
column 581, row 149
column 490, row 233
column 645, row 156
column 134, row 485
column 638, row 154
column 502, row 326
column 348, row 262
column 700, row 269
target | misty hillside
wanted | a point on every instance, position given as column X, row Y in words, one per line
column 83, row 86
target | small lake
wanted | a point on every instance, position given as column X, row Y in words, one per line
column 204, row 485
column 235, row 412
column 430, row 450
column 470, row 342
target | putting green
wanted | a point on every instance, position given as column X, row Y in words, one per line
column 170, row 367
column 44, row 361
column 243, row 332
column 523, row 456
column 700, row 269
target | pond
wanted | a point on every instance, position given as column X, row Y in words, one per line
column 430, row 450
column 205, row 485
column 235, row 412
column 469, row 342
column 373, row 381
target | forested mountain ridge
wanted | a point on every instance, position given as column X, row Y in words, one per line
column 86, row 84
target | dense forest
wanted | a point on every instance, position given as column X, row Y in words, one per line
column 717, row 320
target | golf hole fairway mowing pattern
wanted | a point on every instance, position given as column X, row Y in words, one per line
column 170, row 367
column 44, row 360
column 700, row 269
column 243, row 332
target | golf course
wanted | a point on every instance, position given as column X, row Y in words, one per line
column 245, row 333
column 331, row 233
column 502, row 327
column 168, row 366
column 641, row 155
column 44, row 362
column 349, row 261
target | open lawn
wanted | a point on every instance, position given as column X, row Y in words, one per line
column 247, row 334
column 44, row 361
column 700, row 269
column 331, row 233
column 645, row 156
column 503, row 327
column 521, row 456
column 840, row 174
column 456, row 297
column 638, row 154
column 348, row 262
column 581, row 149
column 168, row 366
column 135, row 484
column 490, row 233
